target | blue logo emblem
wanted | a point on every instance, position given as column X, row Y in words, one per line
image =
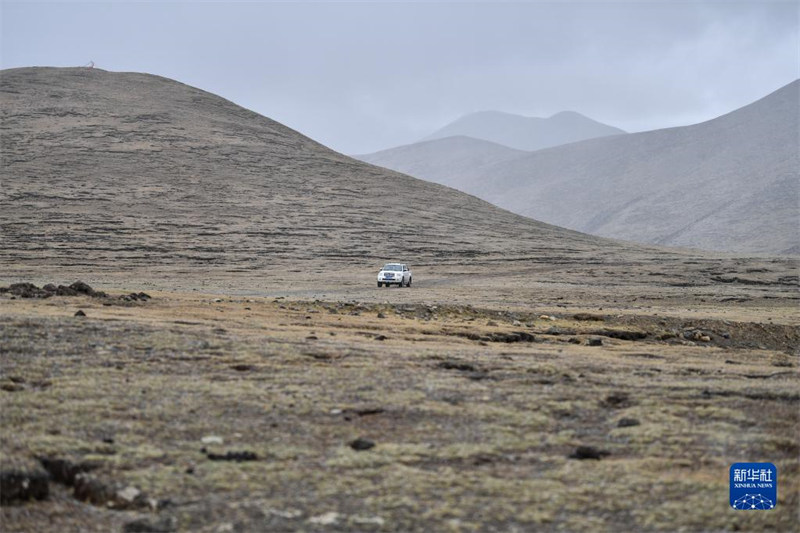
column 753, row 486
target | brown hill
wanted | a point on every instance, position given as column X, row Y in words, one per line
column 134, row 176
column 138, row 171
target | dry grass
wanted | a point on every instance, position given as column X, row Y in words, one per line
column 483, row 447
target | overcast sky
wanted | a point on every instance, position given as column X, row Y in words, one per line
column 364, row 76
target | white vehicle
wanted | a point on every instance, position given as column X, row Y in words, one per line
column 394, row 274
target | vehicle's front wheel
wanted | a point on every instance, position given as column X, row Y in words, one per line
column 380, row 284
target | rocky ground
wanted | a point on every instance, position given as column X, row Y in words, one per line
column 193, row 412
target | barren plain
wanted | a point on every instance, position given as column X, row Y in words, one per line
column 532, row 378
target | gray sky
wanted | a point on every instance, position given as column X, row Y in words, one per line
column 364, row 76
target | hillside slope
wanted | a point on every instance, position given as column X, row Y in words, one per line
column 445, row 161
column 729, row 184
column 526, row 133
column 124, row 171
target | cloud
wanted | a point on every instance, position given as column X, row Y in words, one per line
column 364, row 76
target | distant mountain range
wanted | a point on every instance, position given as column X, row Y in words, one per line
column 525, row 133
column 446, row 161
column 728, row 184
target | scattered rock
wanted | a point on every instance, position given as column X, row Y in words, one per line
column 381, row 315
column 627, row 422
column 88, row 489
column 617, row 400
column 12, row 387
column 594, row 341
column 482, row 459
column 457, row 365
column 622, row 334
column 18, row 486
column 323, row 356
column 127, row 497
column 147, row 525
column 136, row 297
column 326, row 519
column 516, row 336
column 79, row 288
column 381, row 337
column 491, row 323
column 367, row 411
column 80, row 312
column 285, row 513
column 644, row 355
column 242, row 367
column 367, row 520
column 361, row 444
column 91, row 490
column 560, row 331
column 697, row 335
column 233, row 456
column 82, row 288
column 588, row 317
column 64, row 471
column 27, row 290
column 588, row 452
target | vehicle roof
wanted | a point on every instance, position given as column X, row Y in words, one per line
column 398, row 264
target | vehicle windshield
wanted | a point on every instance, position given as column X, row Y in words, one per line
column 393, row 268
